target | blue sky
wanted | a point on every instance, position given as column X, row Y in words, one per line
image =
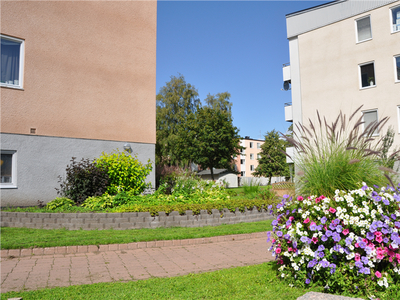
column 233, row 46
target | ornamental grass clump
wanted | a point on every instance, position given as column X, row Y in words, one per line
column 339, row 155
column 348, row 243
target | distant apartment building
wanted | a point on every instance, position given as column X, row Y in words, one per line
column 77, row 78
column 345, row 54
column 247, row 161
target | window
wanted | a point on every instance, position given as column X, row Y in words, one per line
column 243, row 173
column 258, row 145
column 369, row 117
column 251, row 167
column 397, row 68
column 8, row 169
column 258, row 156
column 395, row 19
column 251, row 156
column 363, row 29
column 251, row 144
column 12, row 55
column 242, row 161
column 367, row 75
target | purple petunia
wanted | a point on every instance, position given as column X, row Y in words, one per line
column 328, row 233
column 311, row 263
column 393, row 216
column 339, row 228
column 359, row 264
column 336, row 237
column 386, row 201
column 323, row 220
column 370, row 236
column 308, row 281
column 321, row 248
column 349, row 240
column 275, row 222
column 324, row 238
column 304, row 239
column 279, row 233
column 324, row 263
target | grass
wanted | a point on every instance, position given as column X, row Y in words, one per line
column 18, row 238
column 250, row 282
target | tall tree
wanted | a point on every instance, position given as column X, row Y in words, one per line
column 175, row 102
column 219, row 101
column 273, row 160
column 210, row 139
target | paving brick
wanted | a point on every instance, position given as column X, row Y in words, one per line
column 82, row 249
column 72, row 249
column 49, row 250
column 103, row 248
column 93, row 248
column 132, row 246
column 3, row 253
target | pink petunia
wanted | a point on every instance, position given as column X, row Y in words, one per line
column 379, row 239
column 278, row 250
column 300, row 198
column 378, row 233
column 314, row 240
column 273, row 240
column 357, row 257
column 332, row 210
column 345, row 231
column 378, row 274
column 306, row 221
column 290, row 249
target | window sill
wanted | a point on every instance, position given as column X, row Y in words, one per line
column 363, row 41
column 13, row 87
column 8, row 186
column 368, row 87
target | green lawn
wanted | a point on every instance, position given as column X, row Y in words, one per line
column 18, row 238
column 251, row 282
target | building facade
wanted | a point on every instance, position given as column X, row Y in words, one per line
column 247, row 161
column 77, row 79
column 345, row 54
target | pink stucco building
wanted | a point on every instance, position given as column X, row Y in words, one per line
column 77, row 78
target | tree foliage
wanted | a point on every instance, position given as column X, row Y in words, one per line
column 175, row 102
column 273, row 160
column 219, row 101
column 210, row 139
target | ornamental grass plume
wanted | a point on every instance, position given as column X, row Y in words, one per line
column 339, row 155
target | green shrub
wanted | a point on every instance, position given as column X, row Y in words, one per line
column 83, row 179
column 126, row 172
column 331, row 157
column 60, row 203
column 102, row 202
column 267, row 193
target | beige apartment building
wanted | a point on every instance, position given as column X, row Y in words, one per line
column 344, row 54
column 77, row 78
column 247, row 161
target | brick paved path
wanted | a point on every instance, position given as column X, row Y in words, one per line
column 54, row 270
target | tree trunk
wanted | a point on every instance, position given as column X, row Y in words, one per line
column 212, row 174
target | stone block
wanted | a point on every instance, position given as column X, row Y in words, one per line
column 126, row 225
column 144, row 214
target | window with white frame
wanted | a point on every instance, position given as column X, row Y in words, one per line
column 397, row 68
column 251, row 144
column 243, row 173
column 258, row 145
column 251, row 156
column 364, row 32
column 370, row 117
column 398, row 117
column 251, row 167
column 258, row 156
column 395, row 18
column 8, row 169
column 367, row 75
column 242, row 161
column 12, row 61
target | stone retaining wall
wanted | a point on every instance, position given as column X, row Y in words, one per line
column 129, row 220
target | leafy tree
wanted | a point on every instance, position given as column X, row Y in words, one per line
column 210, row 139
column 273, row 160
column 219, row 101
column 175, row 102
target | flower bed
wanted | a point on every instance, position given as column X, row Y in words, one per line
column 349, row 244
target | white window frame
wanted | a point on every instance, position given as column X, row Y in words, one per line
column 242, row 162
column 359, row 75
column 398, row 117
column 251, row 144
column 377, row 119
column 370, row 28
column 396, row 79
column 393, row 28
column 252, row 168
column 258, row 156
column 258, row 145
column 251, row 156
column 20, row 84
column 13, row 183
